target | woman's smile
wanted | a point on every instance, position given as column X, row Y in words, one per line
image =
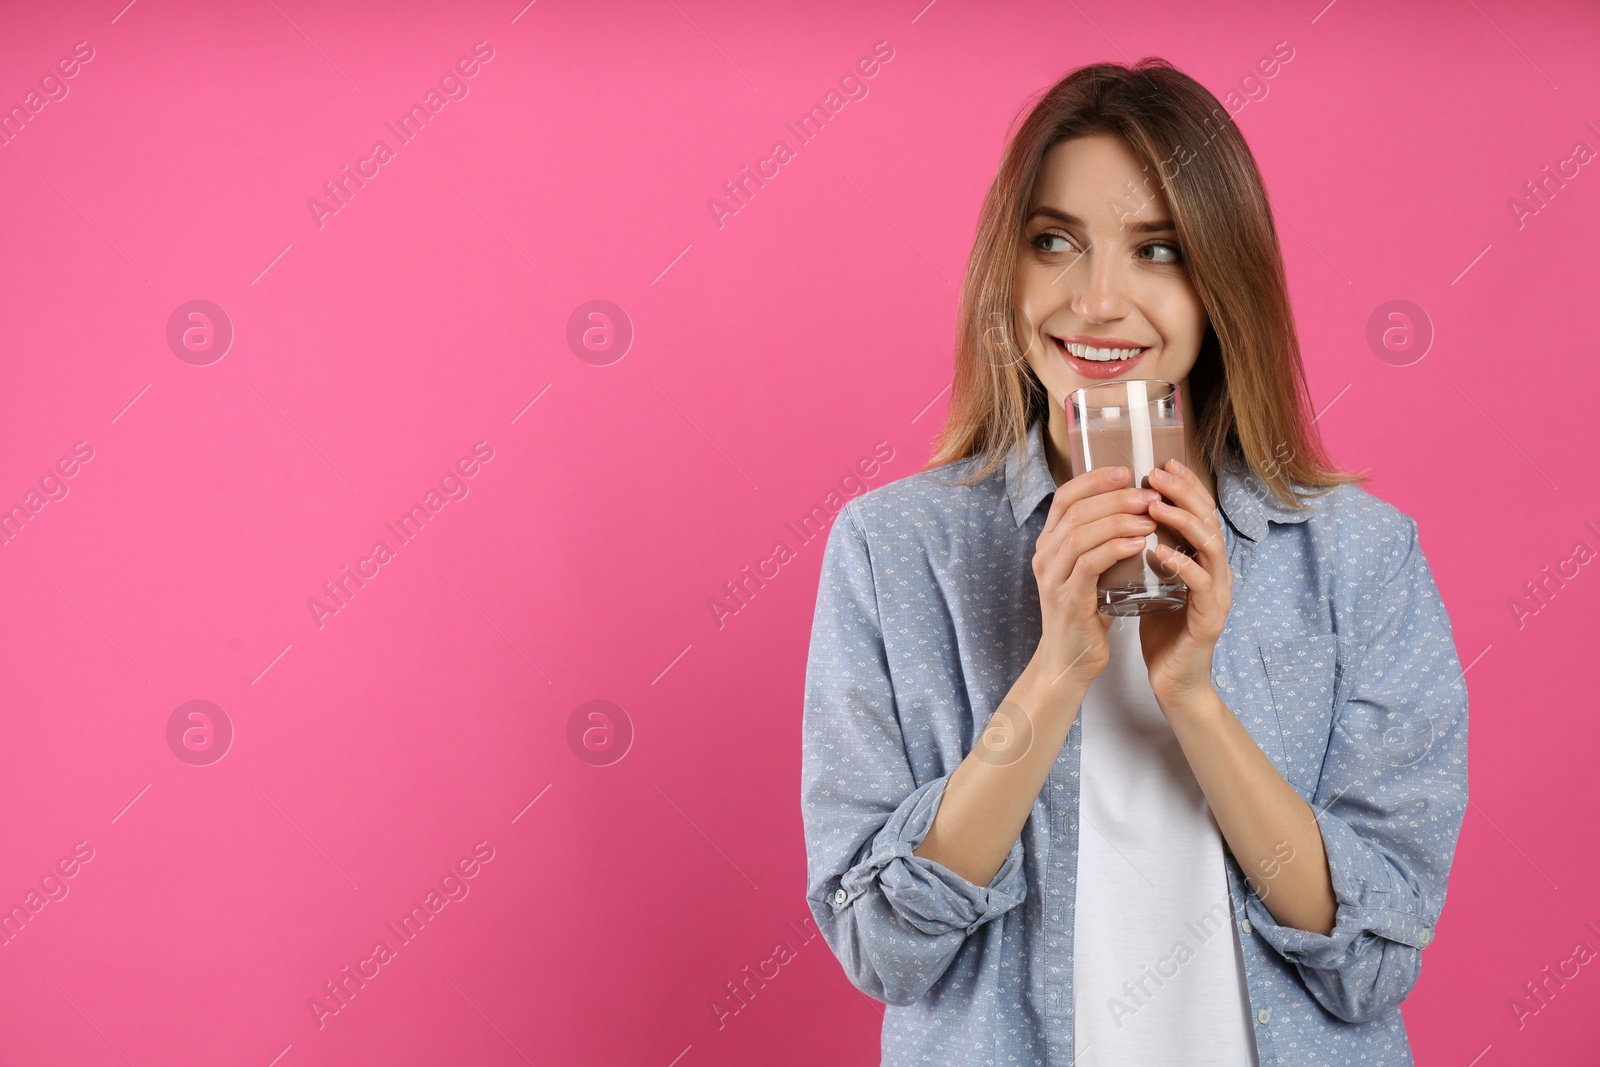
column 1099, row 357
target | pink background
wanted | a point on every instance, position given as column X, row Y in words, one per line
column 431, row 712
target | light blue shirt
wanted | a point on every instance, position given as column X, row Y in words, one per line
column 1337, row 657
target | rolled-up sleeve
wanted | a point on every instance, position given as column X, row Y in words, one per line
column 1390, row 800
column 894, row 920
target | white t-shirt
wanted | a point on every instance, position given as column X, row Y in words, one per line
column 1158, row 976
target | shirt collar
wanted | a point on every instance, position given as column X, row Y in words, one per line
column 1243, row 498
column 1028, row 479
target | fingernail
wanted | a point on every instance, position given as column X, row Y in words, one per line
column 1178, row 467
column 1149, row 496
column 1119, row 472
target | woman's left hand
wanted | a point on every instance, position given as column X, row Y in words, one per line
column 1178, row 645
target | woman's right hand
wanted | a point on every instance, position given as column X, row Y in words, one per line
column 1096, row 519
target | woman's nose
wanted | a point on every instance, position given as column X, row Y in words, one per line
column 1098, row 296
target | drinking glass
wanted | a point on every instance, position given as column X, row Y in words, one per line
column 1138, row 424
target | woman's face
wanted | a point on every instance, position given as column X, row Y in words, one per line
column 1101, row 287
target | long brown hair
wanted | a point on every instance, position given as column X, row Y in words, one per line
column 1247, row 387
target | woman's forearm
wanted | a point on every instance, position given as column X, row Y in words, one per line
column 991, row 793
column 1272, row 833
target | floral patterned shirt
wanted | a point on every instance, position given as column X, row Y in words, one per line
column 1337, row 657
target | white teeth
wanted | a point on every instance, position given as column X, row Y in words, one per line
column 1102, row 355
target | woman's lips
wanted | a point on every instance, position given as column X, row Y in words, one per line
column 1090, row 368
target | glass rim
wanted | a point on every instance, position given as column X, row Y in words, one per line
column 1171, row 390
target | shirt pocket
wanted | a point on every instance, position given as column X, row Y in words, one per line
column 1302, row 674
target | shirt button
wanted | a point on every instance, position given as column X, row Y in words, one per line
column 1264, row 1016
column 1246, row 926
column 1424, row 937
column 1222, row 683
column 840, row 897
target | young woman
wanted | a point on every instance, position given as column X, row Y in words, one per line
column 1218, row 835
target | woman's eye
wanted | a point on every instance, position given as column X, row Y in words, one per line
column 1162, row 252
column 1041, row 242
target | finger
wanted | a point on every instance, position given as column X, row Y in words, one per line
column 1203, row 602
column 1089, row 517
column 1201, row 535
column 1183, row 488
column 1212, row 562
column 1084, row 499
column 1209, row 592
column 1089, row 508
column 1081, row 486
column 1196, row 577
column 1060, row 559
column 1088, row 568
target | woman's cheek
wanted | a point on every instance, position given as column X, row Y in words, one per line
column 1184, row 320
column 1028, row 317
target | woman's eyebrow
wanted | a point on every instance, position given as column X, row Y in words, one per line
column 1143, row 226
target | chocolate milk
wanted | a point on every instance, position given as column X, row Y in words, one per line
column 1111, row 445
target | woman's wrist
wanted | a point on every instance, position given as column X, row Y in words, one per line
column 1202, row 703
column 1045, row 688
column 1184, row 684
